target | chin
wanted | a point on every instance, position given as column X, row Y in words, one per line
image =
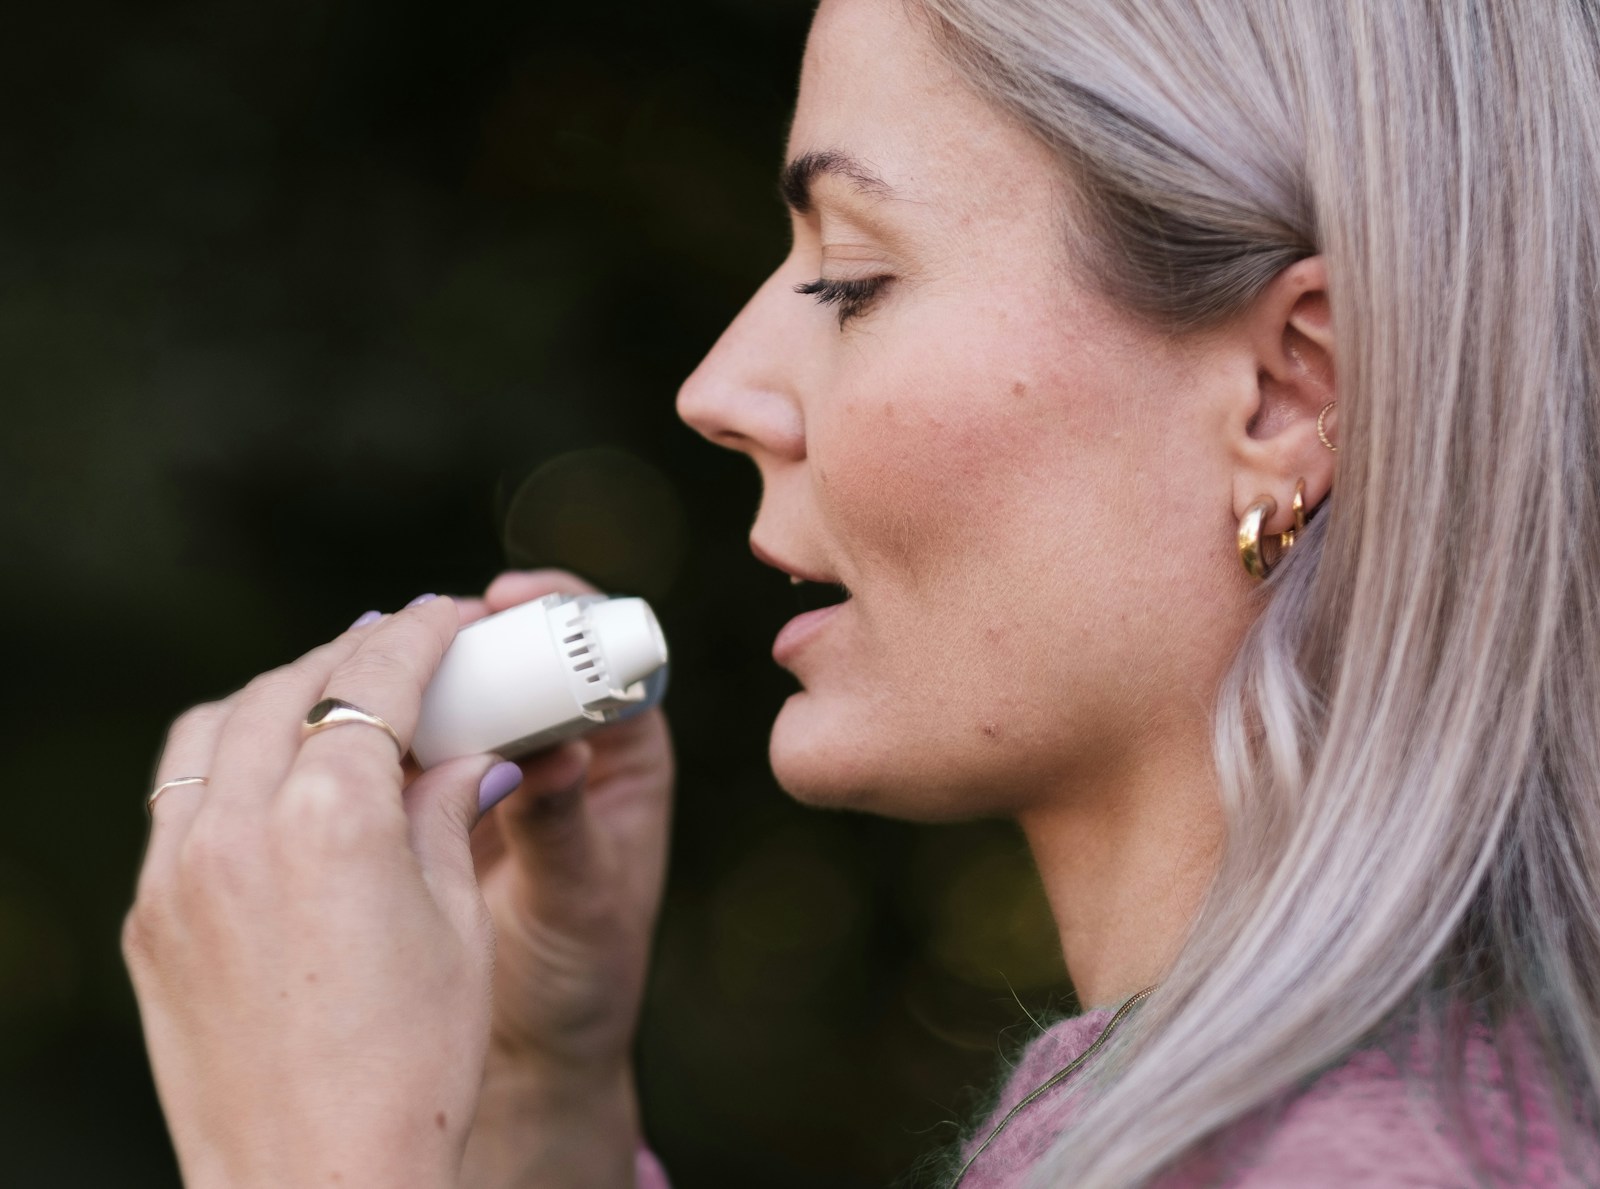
column 836, row 765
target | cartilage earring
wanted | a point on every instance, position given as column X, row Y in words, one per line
column 1322, row 431
column 1255, row 562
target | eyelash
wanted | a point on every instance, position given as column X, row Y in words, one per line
column 852, row 297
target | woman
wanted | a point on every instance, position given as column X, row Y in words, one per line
column 1089, row 301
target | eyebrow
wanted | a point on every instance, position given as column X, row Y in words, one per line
column 798, row 177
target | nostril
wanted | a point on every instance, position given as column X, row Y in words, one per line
column 732, row 439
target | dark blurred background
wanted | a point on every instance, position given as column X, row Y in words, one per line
column 308, row 306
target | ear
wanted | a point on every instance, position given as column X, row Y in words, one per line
column 1272, row 427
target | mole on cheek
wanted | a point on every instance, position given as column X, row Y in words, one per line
column 440, row 1120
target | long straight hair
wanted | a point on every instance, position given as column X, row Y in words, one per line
column 1409, row 740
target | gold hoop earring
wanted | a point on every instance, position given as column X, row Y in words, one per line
column 1321, row 431
column 1286, row 539
column 1255, row 562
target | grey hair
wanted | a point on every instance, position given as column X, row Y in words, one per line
column 1409, row 740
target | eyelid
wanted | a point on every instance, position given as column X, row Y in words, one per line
column 855, row 216
column 852, row 254
column 852, row 295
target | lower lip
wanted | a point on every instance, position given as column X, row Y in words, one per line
column 799, row 630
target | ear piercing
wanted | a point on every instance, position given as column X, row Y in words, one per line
column 1286, row 539
column 1321, row 430
column 1251, row 553
column 1258, row 513
column 1255, row 561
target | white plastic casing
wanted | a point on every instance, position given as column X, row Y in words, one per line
column 539, row 673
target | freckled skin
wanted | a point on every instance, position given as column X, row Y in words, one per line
column 1005, row 470
column 1033, row 496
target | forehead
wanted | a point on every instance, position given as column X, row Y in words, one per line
column 874, row 86
column 872, row 51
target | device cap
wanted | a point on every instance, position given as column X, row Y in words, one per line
column 630, row 639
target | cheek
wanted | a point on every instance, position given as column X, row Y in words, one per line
column 970, row 444
column 904, row 484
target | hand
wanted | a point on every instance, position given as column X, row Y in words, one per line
column 308, row 944
column 573, row 876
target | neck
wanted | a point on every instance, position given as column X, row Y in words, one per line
column 1125, row 865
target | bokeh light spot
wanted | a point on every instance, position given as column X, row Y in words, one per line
column 782, row 919
column 603, row 513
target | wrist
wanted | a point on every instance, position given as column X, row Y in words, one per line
column 550, row 1127
column 390, row 1168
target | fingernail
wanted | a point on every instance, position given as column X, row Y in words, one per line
column 369, row 617
column 421, row 599
column 498, row 783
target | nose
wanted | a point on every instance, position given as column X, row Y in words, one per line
column 745, row 393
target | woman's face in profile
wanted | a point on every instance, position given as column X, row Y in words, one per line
column 1015, row 481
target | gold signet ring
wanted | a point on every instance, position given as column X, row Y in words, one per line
column 334, row 712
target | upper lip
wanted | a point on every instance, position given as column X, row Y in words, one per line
column 793, row 571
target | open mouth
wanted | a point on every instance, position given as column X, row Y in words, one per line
column 814, row 596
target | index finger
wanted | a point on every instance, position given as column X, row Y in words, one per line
column 470, row 608
column 385, row 677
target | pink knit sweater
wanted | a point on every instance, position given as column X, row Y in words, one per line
column 1361, row 1125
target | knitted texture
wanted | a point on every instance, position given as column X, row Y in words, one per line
column 1362, row 1123
column 647, row 1171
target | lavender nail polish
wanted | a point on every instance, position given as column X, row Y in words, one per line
column 369, row 617
column 498, row 783
column 421, row 599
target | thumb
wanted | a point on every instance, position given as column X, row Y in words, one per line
column 442, row 807
column 548, row 831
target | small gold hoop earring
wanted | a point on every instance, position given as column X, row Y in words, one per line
column 1321, row 430
column 1286, row 539
column 1255, row 562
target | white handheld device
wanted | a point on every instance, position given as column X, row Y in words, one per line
column 539, row 673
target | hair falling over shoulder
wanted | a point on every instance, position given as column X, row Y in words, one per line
column 1409, row 741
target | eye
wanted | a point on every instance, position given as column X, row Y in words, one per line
column 852, row 297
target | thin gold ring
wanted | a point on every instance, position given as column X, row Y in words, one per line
column 335, row 712
column 1323, row 433
column 149, row 802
